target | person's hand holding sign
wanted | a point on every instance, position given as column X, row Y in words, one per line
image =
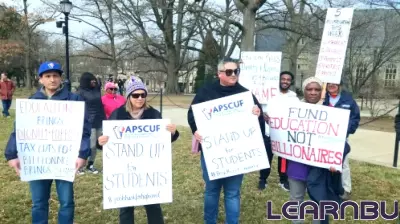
column 171, row 128
column 79, row 163
column 197, row 136
column 14, row 163
column 103, row 140
column 256, row 110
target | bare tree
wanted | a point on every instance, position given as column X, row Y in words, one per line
column 163, row 29
column 371, row 47
column 30, row 22
column 109, row 45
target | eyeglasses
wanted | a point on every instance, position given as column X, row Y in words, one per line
column 137, row 95
column 229, row 72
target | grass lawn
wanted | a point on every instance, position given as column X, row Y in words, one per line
column 369, row 182
column 382, row 124
column 23, row 92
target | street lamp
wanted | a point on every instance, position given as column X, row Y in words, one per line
column 66, row 7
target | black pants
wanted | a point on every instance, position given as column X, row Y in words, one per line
column 154, row 214
column 264, row 174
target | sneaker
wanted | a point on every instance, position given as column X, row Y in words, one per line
column 81, row 171
column 345, row 196
column 93, row 170
column 285, row 186
column 262, row 184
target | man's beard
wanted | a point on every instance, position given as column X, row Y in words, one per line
column 284, row 88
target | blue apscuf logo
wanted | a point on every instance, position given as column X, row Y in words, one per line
column 222, row 109
column 120, row 131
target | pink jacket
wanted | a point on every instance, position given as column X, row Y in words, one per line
column 112, row 102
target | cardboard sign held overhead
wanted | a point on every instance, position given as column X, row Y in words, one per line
column 334, row 44
column 260, row 73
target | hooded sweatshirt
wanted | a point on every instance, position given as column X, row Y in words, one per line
column 111, row 102
column 92, row 97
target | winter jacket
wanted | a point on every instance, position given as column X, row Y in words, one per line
column 94, row 106
column 7, row 89
column 149, row 113
column 215, row 91
column 111, row 102
column 346, row 101
column 63, row 94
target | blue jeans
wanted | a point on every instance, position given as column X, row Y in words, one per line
column 40, row 190
column 6, row 107
column 212, row 192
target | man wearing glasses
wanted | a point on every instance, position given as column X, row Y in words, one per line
column 228, row 72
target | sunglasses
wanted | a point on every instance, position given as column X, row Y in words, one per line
column 229, row 72
column 113, row 89
column 137, row 95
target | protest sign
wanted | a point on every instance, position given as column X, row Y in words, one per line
column 334, row 44
column 137, row 166
column 309, row 133
column 232, row 140
column 48, row 134
column 259, row 72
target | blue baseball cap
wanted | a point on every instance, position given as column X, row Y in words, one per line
column 48, row 66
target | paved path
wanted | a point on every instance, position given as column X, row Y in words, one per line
column 375, row 147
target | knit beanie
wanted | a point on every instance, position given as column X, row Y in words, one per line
column 311, row 80
column 132, row 84
column 110, row 85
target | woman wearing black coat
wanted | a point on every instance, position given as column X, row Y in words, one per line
column 137, row 108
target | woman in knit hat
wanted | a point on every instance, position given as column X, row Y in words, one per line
column 319, row 182
column 135, row 108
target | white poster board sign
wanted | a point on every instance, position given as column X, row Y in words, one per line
column 48, row 134
column 232, row 140
column 137, row 163
column 334, row 44
column 309, row 133
column 259, row 73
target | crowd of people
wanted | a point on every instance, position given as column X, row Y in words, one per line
column 296, row 178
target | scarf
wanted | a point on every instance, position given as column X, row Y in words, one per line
column 138, row 115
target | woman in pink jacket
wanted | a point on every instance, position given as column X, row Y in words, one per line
column 111, row 100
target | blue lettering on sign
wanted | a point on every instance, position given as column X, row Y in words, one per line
column 222, row 107
column 120, row 130
column 142, row 128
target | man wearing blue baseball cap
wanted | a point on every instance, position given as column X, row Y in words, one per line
column 50, row 77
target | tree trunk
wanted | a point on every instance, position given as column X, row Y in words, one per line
column 249, row 19
column 27, row 48
column 172, row 77
column 114, row 64
column 293, row 54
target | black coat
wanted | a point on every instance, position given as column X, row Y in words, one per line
column 149, row 113
column 94, row 106
column 215, row 91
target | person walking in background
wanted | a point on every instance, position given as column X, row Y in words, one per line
column 7, row 88
column 121, row 86
column 91, row 94
column 227, row 85
column 50, row 77
column 335, row 97
column 137, row 108
column 285, row 95
column 111, row 100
